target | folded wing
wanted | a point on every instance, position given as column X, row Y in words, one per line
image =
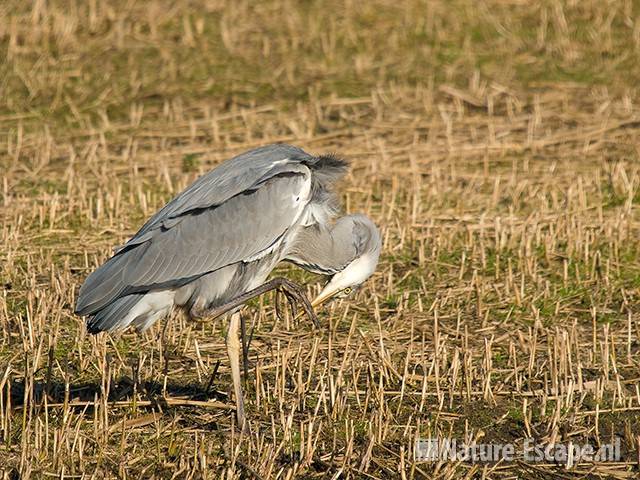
column 200, row 231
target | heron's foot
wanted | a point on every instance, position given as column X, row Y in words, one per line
column 296, row 296
column 202, row 313
column 293, row 304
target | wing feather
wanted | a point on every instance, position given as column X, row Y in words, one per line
column 202, row 239
column 233, row 177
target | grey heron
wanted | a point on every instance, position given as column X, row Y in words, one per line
column 212, row 247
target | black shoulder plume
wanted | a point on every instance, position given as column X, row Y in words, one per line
column 328, row 169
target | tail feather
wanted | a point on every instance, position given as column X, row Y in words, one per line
column 138, row 309
column 101, row 287
column 106, row 283
column 114, row 316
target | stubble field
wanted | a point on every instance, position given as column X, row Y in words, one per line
column 495, row 143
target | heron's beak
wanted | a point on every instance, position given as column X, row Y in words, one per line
column 324, row 295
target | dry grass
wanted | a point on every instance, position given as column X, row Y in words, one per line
column 495, row 143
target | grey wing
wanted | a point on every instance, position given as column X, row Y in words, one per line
column 243, row 228
column 230, row 178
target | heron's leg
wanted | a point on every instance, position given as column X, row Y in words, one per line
column 290, row 289
column 233, row 350
column 245, row 345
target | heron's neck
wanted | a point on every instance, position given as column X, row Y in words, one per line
column 323, row 249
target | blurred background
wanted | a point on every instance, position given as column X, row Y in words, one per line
column 85, row 63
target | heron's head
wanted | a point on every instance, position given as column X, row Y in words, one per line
column 363, row 237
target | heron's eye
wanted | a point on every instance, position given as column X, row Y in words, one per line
column 347, row 291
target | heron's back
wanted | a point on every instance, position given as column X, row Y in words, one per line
column 219, row 238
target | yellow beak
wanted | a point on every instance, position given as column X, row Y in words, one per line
column 320, row 299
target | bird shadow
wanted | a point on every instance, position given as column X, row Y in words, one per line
column 120, row 389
